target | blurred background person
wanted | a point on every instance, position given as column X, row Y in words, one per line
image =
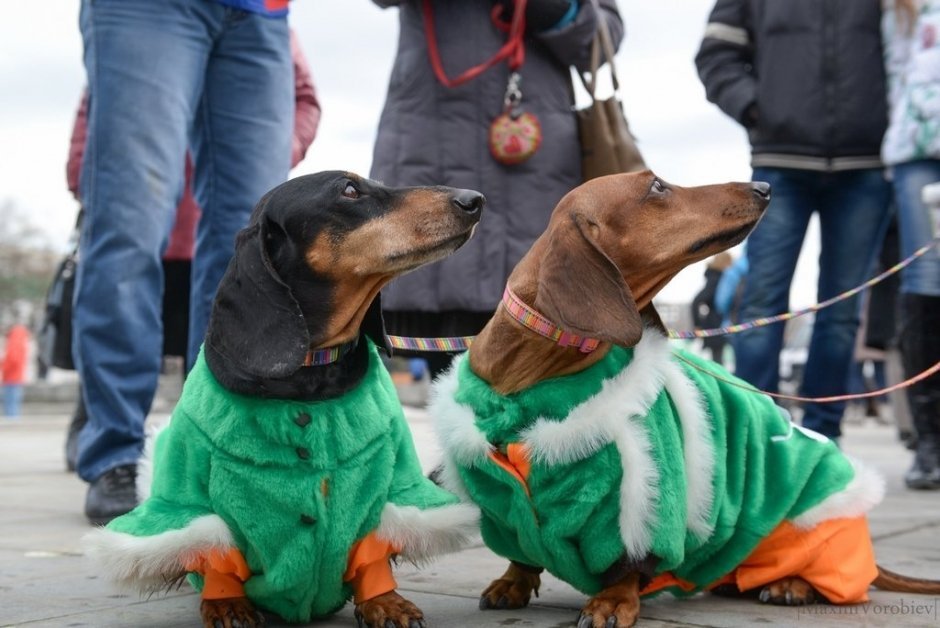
column 178, row 255
column 911, row 30
column 13, row 368
column 214, row 77
column 876, row 340
column 433, row 134
column 705, row 314
column 807, row 82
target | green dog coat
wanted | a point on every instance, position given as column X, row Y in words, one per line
column 293, row 485
column 639, row 454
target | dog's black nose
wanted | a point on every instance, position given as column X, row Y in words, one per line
column 468, row 201
column 761, row 189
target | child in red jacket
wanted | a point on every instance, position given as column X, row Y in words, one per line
column 14, row 369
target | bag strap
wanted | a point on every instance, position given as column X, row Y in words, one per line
column 602, row 42
column 76, row 235
column 513, row 51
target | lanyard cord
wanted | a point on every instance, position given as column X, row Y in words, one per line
column 513, row 51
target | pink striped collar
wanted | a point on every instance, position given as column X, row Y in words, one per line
column 531, row 319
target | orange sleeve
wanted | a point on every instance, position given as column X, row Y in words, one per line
column 368, row 568
column 223, row 570
column 836, row 557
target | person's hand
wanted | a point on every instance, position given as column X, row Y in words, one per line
column 540, row 15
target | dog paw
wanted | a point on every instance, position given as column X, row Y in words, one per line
column 513, row 590
column 236, row 612
column 608, row 612
column 790, row 592
column 389, row 610
column 731, row 590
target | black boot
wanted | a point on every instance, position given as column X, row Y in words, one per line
column 920, row 349
column 79, row 419
column 112, row 494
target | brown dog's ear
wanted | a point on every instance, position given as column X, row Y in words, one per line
column 582, row 290
column 256, row 324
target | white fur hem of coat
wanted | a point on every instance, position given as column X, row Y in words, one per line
column 861, row 494
column 151, row 563
column 421, row 535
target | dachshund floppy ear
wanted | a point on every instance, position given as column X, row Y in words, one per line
column 582, row 290
column 256, row 324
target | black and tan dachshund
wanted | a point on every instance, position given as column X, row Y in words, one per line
column 308, row 271
column 287, row 478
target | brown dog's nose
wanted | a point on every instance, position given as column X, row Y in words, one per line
column 468, row 201
column 761, row 189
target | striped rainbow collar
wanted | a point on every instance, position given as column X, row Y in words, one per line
column 531, row 319
column 329, row 355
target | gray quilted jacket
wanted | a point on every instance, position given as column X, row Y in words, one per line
column 433, row 135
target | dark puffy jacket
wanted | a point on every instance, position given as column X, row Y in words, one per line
column 813, row 70
column 430, row 134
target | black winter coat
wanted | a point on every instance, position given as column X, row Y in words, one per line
column 805, row 77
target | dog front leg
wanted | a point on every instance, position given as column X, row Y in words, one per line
column 369, row 571
column 224, row 604
column 513, row 589
column 617, row 606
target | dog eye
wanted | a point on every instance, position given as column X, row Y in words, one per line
column 658, row 187
column 350, row 191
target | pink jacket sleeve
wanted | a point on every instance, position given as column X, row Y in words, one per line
column 73, row 168
column 307, row 107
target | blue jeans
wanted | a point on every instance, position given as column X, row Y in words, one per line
column 12, row 399
column 164, row 77
column 923, row 275
column 853, row 208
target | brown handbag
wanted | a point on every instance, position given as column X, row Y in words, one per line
column 607, row 145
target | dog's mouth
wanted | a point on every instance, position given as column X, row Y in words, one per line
column 410, row 260
column 724, row 239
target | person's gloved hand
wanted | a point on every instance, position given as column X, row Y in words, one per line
column 540, row 15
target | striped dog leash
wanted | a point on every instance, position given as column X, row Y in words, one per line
column 461, row 343
column 762, row 322
column 520, row 312
column 538, row 323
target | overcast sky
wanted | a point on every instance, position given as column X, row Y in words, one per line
column 350, row 45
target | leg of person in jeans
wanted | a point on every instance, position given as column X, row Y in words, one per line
column 920, row 318
column 241, row 146
column 145, row 65
column 772, row 251
column 12, row 400
column 854, row 212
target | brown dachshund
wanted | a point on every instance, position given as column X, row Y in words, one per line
column 287, row 477
column 626, row 468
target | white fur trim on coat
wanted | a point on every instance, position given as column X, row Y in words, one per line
column 639, row 488
column 699, row 450
column 614, row 415
column 455, row 424
column 150, row 563
column 449, row 478
column 595, row 423
column 145, row 463
column 421, row 535
column 862, row 493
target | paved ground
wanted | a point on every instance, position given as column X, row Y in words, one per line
column 45, row 581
